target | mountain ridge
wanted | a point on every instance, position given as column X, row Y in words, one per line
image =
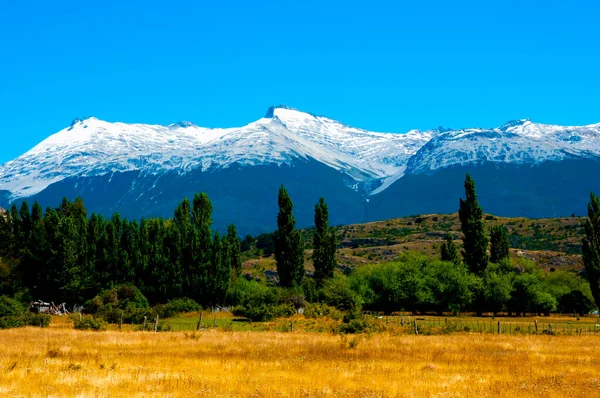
column 141, row 170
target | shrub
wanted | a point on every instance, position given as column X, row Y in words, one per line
column 177, row 306
column 121, row 297
column 336, row 292
column 320, row 310
column 254, row 300
column 124, row 301
column 10, row 307
column 355, row 322
column 27, row 319
column 88, row 322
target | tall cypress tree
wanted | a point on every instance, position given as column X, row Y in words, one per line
column 289, row 247
column 591, row 247
column 324, row 243
column 202, row 237
column 235, row 252
column 450, row 251
column 475, row 241
column 499, row 244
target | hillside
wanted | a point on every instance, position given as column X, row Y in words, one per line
column 552, row 243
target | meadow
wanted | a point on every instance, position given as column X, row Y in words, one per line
column 62, row 362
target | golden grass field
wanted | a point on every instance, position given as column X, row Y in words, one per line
column 57, row 362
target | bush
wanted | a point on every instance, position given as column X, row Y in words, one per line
column 27, row 319
column 121, row 297
column 176, row 307
column 254, row 300
column 320, row 310
column 336, row 292
column 124, row 301
column 88, row 322
column 10, row 307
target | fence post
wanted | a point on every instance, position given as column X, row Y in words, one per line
column 145, row 319
column 499, row 330
column 416, row 328
column 536, row 326
column 121, row 322
column 549, row 329
column 199, row 325
column 291, row 326
column 156, row 324
column 215, row 320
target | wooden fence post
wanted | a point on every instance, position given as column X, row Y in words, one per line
column 499, row 329
column 156, row 324
column 536, row 326
column 199, row 322
column 121, row 322
column 215, row 320
column 416, row 328
column 145, row 319
column 291, row 326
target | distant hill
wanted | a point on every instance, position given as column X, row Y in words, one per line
column 552, row 243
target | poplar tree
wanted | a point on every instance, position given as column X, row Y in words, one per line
column 324, row 243
column 450, row 251
column 591, row 247
column 499, row 244
column 235, row 252
column 475, row 241
column 289, row 247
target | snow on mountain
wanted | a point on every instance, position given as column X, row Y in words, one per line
column 517, row 142
column 93, row 147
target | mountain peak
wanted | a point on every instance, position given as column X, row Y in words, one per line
column 183, row 124
column 513, row 123
column 271, row 111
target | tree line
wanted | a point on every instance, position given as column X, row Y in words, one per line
column 63, row 255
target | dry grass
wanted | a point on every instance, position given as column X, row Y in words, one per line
column 65, row 363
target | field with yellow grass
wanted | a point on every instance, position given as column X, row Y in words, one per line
column 56, row 362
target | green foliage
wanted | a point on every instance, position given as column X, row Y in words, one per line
column 450, row 251
column 354, row 322
column 235, row 255
column 336, row 292
column 10, row 307
column 591, row 247
column 320, row 310
column 124, row 302
column 572, row 293
column 88, row 322
column 451, row 285
column 253, row 300
column 497, row 287
column 289, row 246
column 499, row 244
column 475, row 241
column 177, row 306
column 26, row 319
column 324, row 243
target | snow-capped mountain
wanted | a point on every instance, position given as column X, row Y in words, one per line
column 521, row 168
column 517, row 142
column 93, row 147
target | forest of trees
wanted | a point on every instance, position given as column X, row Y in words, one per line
column 64, row 254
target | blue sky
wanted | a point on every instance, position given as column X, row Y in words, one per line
column 383, row 66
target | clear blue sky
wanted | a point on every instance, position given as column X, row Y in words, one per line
column 384, row 66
